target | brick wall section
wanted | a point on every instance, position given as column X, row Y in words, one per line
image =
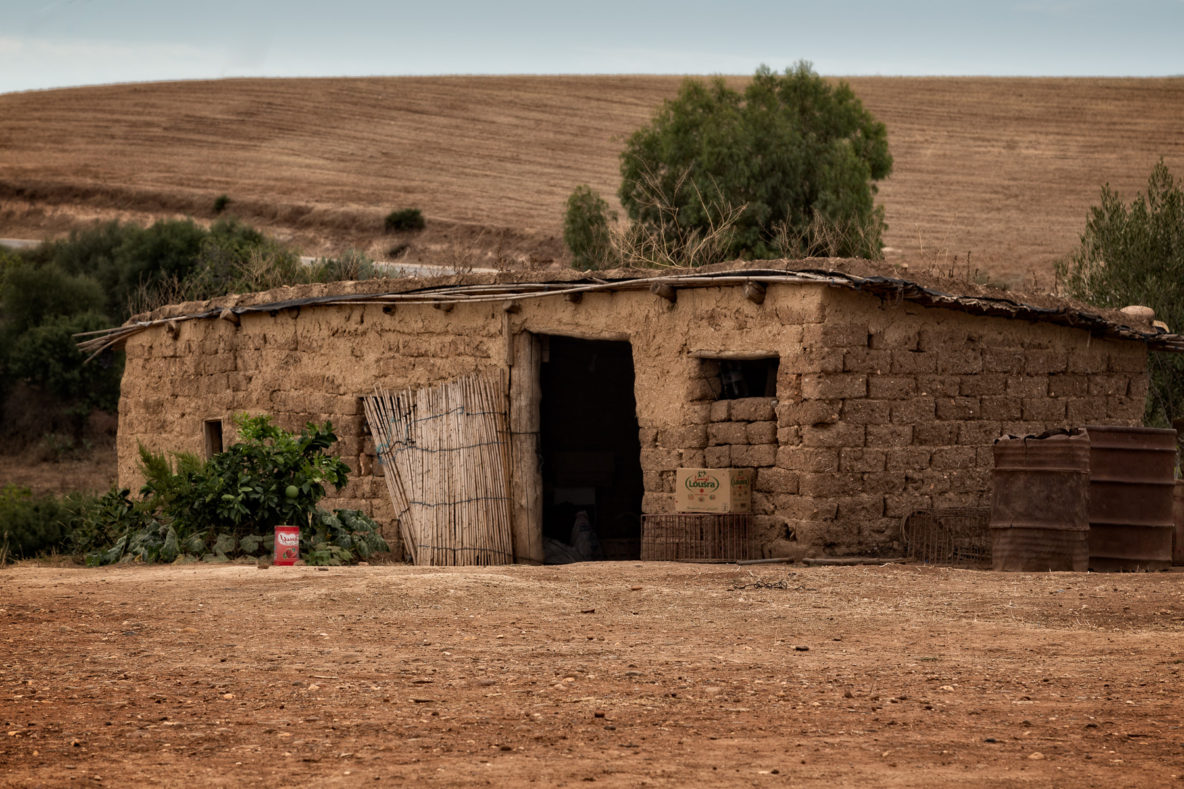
column 880, row 409
column 896, row 408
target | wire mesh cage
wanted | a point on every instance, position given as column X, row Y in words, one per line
column 686, row 537
column 953, row 536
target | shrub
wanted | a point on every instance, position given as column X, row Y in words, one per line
column 404, row 219
column 221, row 203
column 790, row 152
column 1134, row 254
column 29, row 525
column 586, row 229
column 229, row 505
column 47, row 357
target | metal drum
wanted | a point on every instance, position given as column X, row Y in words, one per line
column 1039, row 520
column 1178, row 518
column 1132, row 479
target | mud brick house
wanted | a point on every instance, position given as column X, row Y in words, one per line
column 857, row 400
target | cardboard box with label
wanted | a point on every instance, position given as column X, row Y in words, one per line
column 713, row 490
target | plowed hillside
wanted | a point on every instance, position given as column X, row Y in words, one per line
column 1002, row 170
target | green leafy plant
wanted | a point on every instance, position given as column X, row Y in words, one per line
column 404, row 219
column 587, row 229
column 229, row 505
column 221, row 203
column 790, row 153
column 1134, row 254
column 29, row 525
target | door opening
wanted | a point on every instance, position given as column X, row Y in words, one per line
column 591, row 452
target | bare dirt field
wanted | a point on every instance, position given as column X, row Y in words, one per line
column 623, row 674
column 1002, row 171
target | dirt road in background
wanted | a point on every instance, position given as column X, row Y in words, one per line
column 621, row 674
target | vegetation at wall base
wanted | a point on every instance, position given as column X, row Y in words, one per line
column 212, row 510
column 404, row 220
column 1134, row 254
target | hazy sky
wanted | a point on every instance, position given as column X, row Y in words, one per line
column 52, row 43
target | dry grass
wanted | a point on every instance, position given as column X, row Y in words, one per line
column 1001, row 169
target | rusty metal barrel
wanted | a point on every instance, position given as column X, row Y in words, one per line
column 1132, row 480
column 1178, row 519
column 1039, row 487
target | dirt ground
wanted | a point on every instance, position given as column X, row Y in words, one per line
column 621, row 674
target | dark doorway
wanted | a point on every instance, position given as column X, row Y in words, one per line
column 591, row 452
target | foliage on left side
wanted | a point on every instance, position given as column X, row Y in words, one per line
column 215, row 510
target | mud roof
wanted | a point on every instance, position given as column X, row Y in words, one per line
column 518, row 286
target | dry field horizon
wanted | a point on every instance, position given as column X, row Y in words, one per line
column 993, row 177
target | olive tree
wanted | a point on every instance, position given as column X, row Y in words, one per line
column 788, row 166
column 1134, row 254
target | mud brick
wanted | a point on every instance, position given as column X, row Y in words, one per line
column 913, row 362
column 883, row 482
column 692, row 458
column 658, row 481
column 945, row 458
column 701, row 389
column 719, row 410
column 979, row 433
column 718, row 457
column 1124, row 409
column 982, row 384
column 866, row 360
column 727, row 433
column 889, row 435
column 1002, row 408
column 762, row 504
column 689, row 437
column 789, row 436
column 814, row 459
column 935, row 434
column 648, row 437
column 836, row 335
column 1020, row 428
column 1068, row 385
column 1003, row 360
column 754, row 409
column 809, row 412
column 939, row 385
column 1028, row 386
column 762, row 432
column 820, row 359
column 950, row 408
column 659, row 458
column 959, row 498
column 744, row 456
column 830, row 484
column 861, row 460
column 867, row 412
column 805, row 307
column 696, row 413
column 907, row 459
column 1089, row 360
column 960, row 361
column 1044, row 409
column 657, row 503
column 1132, row 361
column 836, row 435
column 776, row 480
column 834, row 385
column 1045, row 362
column 1137, row 387
column 1103, row 385
column 860, row 509
column 890, row 387
column 913, row 411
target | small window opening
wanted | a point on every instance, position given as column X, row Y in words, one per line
column 212, row 432
column 747, row 378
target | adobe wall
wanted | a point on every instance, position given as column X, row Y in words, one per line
column 880, row 409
